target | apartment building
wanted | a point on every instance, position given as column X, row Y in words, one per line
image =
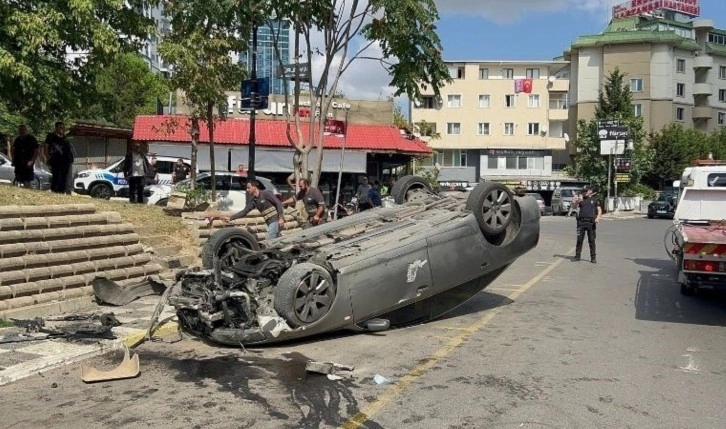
column 675, row 66
column 500, row 120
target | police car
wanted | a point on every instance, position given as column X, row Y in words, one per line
column 110, row 181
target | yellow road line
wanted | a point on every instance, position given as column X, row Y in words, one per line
column 426, row 364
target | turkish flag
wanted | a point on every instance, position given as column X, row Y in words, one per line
column 527, row 86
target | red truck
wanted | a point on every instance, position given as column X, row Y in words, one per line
column 699, row 229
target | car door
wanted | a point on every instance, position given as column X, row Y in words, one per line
column 238, row 192
column 7, row 172
column 164, row 168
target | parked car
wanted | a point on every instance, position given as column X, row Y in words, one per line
column 562, row 199
column 110, row 181
column 231, row 189
column 540, row 201
column 381, row 268
column 7, row 174
column 663, row 206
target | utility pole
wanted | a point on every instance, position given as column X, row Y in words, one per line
column 253, row 93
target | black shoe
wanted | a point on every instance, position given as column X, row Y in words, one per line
column 576, row 259
column 593, row 260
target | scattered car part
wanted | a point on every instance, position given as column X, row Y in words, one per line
column 110, row 292
column 326, row 367
column 128, row 368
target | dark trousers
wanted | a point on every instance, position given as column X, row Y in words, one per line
column 59, row 183
column 585, row 225
column 136, row 189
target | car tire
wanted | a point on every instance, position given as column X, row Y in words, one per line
column 162, row 202
column 101, row 191
column 231, row 242
column 409, row 189
column 493, row 207
column 304, row 294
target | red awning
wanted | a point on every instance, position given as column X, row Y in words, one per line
column 373, row 138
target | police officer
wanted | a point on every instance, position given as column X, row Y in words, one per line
column 587, row 219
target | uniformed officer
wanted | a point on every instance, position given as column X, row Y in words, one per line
column 587, row 219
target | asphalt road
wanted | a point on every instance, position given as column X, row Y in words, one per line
column 551, row 343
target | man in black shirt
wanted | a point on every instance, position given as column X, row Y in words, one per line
column 61, row 155
column 268, row 205
column 587, row 219
column 313, row 200
column 25, row 152
column 181, row 171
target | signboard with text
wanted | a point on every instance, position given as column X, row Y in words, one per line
column 261, row 88
column 640, row 7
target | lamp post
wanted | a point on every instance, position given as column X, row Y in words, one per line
column 253, row 93
column 340, row 172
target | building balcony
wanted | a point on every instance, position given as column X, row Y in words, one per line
column 703, row 62
column 702, row 89
column 558, row 114
column 702, row 112
column 559, row 85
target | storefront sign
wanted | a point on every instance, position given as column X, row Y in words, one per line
column 640, row 7
column 518, row 152
column 277, row 108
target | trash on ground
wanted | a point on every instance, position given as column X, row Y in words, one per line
column 72, row 326
column 327, row 368
column 379, row 379
column 129, row 368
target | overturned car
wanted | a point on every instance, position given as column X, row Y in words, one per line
column 381, row 268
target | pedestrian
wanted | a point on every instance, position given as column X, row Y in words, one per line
column 312, row 200
column 60, row 155
column 152, row 176
column 269, row 206
column 363, row 195
column 241, row 170
column 24, row 154
column 136, row 168
column 375, row 194
column 180, row 172
column 587, row 220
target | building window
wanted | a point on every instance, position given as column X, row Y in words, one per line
column 510, row 100
column 483, row 129
column 680, row 65
column 638, row 109
column 493, row 162
column 722, row 72
column 483, row 73
column 721, row 118
column 485, row 100
column 511, row 163
column 533, row 100
column 636, row 85
column 717, row 38
column 453, row 101
column 509, row 128
column 680, row 113
column 722, row 95
column 453, row 128
column 457, row 72
column 507, row 73
column 522, row 163
column 428, row 102
column 532, row 73
column 451, row 158
column 462, row 158
column 533, row 128
column 680, row 90
column 427, row 129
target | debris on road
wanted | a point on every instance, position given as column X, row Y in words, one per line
column 129, row 368
column 379, row 379
column 72, row 326
column 328, row 368
column 110, row 292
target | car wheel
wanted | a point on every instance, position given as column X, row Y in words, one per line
column 493, row 207
column 101, row 191
column 304, row 294
column 409, row 189
column 650, row 216
column 228, row 245
column 162, row 202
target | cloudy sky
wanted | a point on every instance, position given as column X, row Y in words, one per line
column 506, row 29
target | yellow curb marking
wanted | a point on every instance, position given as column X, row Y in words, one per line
column 421, row 369
column 165, row 329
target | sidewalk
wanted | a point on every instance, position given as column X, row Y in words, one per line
column 23, row 359
column 622, row 214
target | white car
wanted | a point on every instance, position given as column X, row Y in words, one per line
column 110, row 181
column 231, row 190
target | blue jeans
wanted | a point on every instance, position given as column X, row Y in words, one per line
column 273, row 230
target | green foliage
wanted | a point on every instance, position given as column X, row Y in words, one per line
column 38, row 84
column 588, row 163
column 615, row 100
column 638, row 190
column 427, row 129
column 717, row 144
column 673, row 148
column 195, row 195
column 431, row 176
column 399, row 120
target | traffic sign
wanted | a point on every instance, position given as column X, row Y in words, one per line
column 622, row 177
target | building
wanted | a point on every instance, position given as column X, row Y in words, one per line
column 500, row 120
column 675, row 65
column 268, row 61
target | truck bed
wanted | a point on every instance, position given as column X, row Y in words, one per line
column 702, row 238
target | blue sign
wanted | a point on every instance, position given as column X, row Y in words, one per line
column 261, row 88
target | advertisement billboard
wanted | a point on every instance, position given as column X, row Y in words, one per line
column 640, row 7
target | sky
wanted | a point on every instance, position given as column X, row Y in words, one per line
column 506, row 30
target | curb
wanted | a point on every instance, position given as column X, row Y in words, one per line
column 47, row 363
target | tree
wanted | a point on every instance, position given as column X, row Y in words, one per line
column 40, row 85
column 198, row 47
column 403, row 31
column 126, row 88
column 614, row 103
column 674, row 147
column 399, row 120
column 717, row 144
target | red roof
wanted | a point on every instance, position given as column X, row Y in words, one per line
column 175, row 128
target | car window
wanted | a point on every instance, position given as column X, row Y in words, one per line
column 566, row 193
column 164, row 167
column 716, row 180
column 117, row 167
column 239, row 183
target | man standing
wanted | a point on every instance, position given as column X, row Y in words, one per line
column 181, row 171
column 136, row 168
column 313, row 201
column 589, row 216
column 363, row 195
column 61, row 155
column 268, row 205
column 25, row 152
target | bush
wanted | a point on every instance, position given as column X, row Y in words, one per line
column 638, row 190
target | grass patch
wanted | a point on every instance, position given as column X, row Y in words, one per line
column 6, row 323
column 138, row 215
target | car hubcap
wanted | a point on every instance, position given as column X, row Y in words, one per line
column 312, row 298
column 497, row 208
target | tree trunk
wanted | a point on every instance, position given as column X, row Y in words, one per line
column 210, row 126
column 195, row 148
